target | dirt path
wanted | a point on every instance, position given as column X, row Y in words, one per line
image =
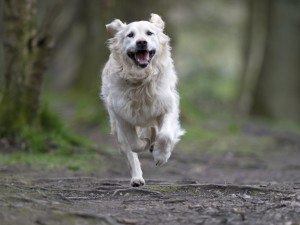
column 88, row 200
column 260, row 186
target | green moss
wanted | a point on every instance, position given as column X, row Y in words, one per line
column 49, row 134
column 83, row 162
column 162, row 188
column 174, row 188
column 283, row 125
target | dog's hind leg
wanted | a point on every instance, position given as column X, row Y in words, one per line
column 136, row 144
column 148, row 133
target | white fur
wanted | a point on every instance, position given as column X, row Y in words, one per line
column 142, row 103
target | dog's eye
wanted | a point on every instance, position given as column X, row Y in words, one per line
column 149, row 33
column 130, row 35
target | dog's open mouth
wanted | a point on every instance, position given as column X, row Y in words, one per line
column 141, row 57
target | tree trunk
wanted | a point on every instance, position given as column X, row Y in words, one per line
column 80, row 48
column 254, row 49
column 91, row 48
column 25, row 55
column 1, row 46
column 270, row 84
column 277, row 90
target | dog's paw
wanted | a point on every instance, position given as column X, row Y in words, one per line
column 136, row 182
column 162, row 150
column 160, row 157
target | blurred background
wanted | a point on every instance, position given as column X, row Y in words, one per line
column 237, row 62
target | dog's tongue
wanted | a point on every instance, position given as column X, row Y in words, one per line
column 142, row 57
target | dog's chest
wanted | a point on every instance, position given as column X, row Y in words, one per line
column 142, row 104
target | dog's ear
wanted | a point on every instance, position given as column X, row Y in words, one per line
column 157, row 21
column 114, row 27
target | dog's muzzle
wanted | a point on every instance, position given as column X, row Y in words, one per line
column 141, row 56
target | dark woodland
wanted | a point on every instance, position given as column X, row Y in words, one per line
column 239, row 84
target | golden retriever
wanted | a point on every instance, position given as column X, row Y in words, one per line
column 139, row 92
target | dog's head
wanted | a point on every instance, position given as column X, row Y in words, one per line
column 138, row 42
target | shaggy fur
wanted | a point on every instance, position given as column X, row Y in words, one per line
column 139, row 91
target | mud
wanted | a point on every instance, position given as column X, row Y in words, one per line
column 88, row 200
column 259, row 186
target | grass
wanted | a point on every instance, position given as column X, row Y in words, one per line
column 50, row 133
column 84, row 162
column 283, row 125
column 218, row 142
column 50, row 145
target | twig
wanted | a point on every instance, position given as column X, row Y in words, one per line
column 174, row 201
column 227, row 186
column 107, row 219
column 78, row 198
column 63, row 197
column 135, row 190
column 241, row 197
column 25, row 198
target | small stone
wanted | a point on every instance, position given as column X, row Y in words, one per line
column 195, row 206
column 206, row 205
column 278, row 216
column 264, row 185
column 246, row 196
column 296, row 186
column 127, row 221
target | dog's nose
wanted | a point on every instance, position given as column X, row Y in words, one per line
column 141, row 44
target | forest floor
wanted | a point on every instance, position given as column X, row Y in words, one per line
column 251, row 178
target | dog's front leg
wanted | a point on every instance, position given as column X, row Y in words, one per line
column 124, row 133
column 135, row 167
column 167, row 137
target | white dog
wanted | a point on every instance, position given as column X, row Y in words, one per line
column 139, row 91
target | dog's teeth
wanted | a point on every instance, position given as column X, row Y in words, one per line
column 142, row 57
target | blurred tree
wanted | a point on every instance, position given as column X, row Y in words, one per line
column 91, row 46
column 127, row 11
column 25, row 55
column 271, row 84
column 88, row 25
column 80, row 49
column 254, row 48
column 81, row 38
column 1, row 45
